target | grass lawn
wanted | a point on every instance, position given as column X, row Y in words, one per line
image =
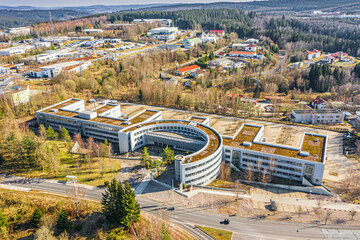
column 221, row 184
column 102, row 169
column 217, row 233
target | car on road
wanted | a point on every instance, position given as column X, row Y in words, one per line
column 172, row 208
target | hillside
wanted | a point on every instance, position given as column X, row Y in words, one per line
column 16, row 18
column 272, row 6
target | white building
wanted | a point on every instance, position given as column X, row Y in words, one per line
column 189, row 43
column 164, row 22
column 18, row 94
column 242, row 54
column 163, row 33
column 14, row 50
column 207, row 148
column 53, row 55
column 220, row 62
column 75, row 65
column 56, row 40
column 251, row 48
column 252, row 41
column 312, row 54
column 19, row 31
column 319, row 103
column 246, row 150
column 92, row 30
column 315, row 116
column 42, row 44
column 211, row 39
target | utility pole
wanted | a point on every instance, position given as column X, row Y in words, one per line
column 172, row 188
column 51, row 24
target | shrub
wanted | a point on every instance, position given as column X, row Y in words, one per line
column 3, row 220
column 36, row 217
column 63, row 221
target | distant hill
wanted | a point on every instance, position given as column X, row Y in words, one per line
column 270, row 6
column 27, row 15
column 16, row 18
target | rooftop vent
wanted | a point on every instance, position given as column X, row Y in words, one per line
column 127, row 123
column 54, row 110
column 247, row 144
column 304, row 154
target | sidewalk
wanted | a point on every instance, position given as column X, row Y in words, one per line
column 305, row 203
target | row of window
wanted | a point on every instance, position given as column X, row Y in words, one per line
column 202, row 164
column 203, row 177
column 203, row 170
column 182, row 129
column 275, row 172
column 273, row 166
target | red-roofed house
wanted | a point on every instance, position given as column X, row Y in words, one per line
column 187, row 70
column 242, row 54
column 251, row 48
column 339, row 56
column 312, row 54
column 218, row 32
column 233, row 96
column 271, row 98
column 319, row 103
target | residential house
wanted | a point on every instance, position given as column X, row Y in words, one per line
column 219, row 33
column 328, row 60
column 189, row 43
column 187, row 70
column 312, row 54
column 198, row 73
column 319, row 103
column 242, row 54
column 251, row 48
column 252, row 40
column 220, row 62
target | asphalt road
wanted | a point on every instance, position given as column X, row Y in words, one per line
column 185, row 216
column 5, row 83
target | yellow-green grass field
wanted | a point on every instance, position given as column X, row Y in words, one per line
column 217, row 233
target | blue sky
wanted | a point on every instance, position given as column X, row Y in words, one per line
column 66, row 3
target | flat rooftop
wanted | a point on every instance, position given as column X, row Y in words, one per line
column 317, row 111
column 313, row 144
column 214, row 139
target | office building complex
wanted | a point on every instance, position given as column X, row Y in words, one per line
column 204, row 146
column 163, row 33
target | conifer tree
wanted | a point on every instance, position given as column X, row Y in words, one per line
column 50, row 133
column 119, row 204
column 64, row 134
column 145, row 158
column 131, row 207
column 164, row 232
column 167, row 155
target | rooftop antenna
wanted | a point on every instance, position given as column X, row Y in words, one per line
column 51, row 24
